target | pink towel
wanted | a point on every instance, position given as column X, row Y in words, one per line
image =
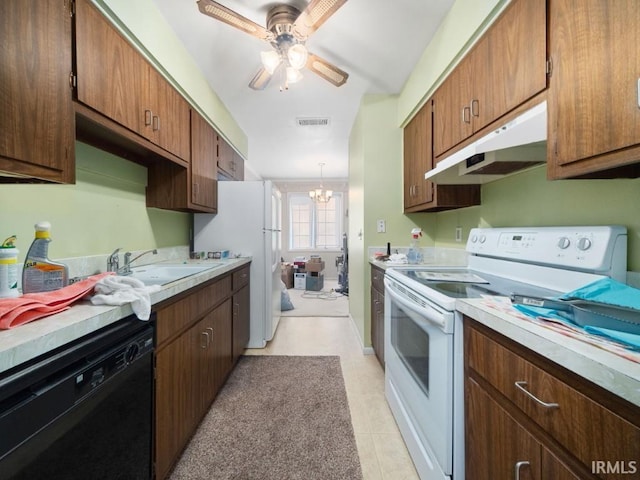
column 32, row 306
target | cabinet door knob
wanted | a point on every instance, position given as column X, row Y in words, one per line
column 148, row 115
column 204, row 344
column 520, row 386
column 156, row 123
column 518, row 466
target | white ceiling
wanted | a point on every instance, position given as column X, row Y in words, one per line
column 378, row 42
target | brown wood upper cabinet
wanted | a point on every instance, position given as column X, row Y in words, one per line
column 37, row 126
column 505, row 68
column 115, row 80
column 191, row 189
column 230, row 164
column 422, row 195
column 418, row 158
column 594, row 89
column 204, row 183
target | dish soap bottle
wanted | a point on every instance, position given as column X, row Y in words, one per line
column 9, row 268
column 414, row 255
column 40, row 274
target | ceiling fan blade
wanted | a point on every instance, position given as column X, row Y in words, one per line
column 228, row 16
column 327, row 70
column 316, row 13
column 261, row 79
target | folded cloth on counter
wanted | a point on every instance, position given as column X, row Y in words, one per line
column 607, row 291
column 399, row 258
column 117, row 290
column 32, row 306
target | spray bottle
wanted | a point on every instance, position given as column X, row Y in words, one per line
column 9, row 268
column 414, row 255
column 40, row 274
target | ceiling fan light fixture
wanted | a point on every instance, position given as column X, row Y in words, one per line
column 270, row 60
column 297, row 55
column 293, row 75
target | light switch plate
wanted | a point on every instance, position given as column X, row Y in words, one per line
column 381, row 226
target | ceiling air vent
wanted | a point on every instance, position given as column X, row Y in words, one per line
column 312, row 122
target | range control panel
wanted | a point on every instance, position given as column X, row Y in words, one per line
column 597, row 249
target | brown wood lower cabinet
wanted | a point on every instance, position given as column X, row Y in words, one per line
column 241, row 312
column 526, row 414
column 377, row 312
column 196, row 334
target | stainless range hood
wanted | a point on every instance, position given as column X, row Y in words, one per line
column 519, row 144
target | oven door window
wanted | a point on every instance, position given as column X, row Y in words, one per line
column 411, row 343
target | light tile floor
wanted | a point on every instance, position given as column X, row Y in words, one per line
column 383, row 454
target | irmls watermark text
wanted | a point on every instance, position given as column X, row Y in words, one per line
column 618, row 466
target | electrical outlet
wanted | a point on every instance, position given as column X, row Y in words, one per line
column 458, row 234
column 381, row 226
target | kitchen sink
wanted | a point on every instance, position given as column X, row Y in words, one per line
column 161, row 274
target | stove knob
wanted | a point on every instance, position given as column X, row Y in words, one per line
column 474, row 238
column 584, row 244
column 483, row 238
column 564, row 243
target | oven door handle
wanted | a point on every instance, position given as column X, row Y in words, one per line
column 427, row 312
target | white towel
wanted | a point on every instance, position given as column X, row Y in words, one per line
column 117, row 290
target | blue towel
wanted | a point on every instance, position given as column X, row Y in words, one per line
column 536, row 312
column 607, row 291
column 629, row 339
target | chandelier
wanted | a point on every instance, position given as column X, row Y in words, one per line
column 320, row 195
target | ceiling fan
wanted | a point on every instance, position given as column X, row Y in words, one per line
column 287, row 32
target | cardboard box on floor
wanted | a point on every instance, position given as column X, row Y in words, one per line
column 314, row 265
column 286, row 274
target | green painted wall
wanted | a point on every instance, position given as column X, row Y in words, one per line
column 104, row 210
column 528, row 198
column 375, row 192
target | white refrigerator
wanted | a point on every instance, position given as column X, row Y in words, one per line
column 248, row 222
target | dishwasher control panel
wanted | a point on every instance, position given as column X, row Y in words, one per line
column 112, row 362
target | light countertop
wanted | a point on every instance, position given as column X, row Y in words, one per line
column 23, row 343
column 608, row 370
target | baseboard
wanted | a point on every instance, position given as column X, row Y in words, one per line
column 365, row 350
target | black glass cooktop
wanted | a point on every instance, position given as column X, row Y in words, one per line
column 471, row 284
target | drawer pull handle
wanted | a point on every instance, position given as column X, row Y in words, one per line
column 519, row 465
column 204, row 344
column 520, row 385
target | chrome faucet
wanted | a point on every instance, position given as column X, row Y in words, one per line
column 113, row 261
column 126, row 269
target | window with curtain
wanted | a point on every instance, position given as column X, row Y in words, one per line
column 315, row 226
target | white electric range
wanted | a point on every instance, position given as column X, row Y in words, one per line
column 423, row 332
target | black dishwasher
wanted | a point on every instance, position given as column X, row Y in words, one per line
column 83, row 411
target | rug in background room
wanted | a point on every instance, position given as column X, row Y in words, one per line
column 277, row 417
